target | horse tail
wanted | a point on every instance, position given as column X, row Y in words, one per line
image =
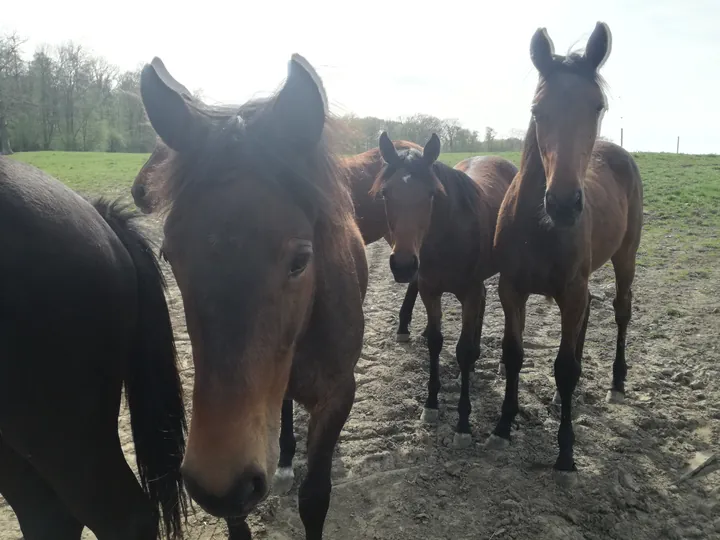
column 152, row 382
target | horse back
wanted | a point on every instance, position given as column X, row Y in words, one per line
column 614, row 197
column 62, row 270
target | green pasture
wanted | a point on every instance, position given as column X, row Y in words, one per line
column 682, row 199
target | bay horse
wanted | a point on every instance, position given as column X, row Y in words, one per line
column 360, row 170
column 262, row 241
column 575, row 204
column 82, row 313
column 442, row 221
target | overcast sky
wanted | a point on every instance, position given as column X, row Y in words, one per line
column 453, row 59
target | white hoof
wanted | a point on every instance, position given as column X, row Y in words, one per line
column 283, row 480
column 496, row 443
column 501, row 369
column 556, row 398
column 402, row 338
column 615, row 396
column 565, row 479
column 461, row 440
column 430, row 416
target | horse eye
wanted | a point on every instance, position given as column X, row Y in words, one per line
column 300, row 262
column 600, row 108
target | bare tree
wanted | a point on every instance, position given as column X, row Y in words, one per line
column 451, row 128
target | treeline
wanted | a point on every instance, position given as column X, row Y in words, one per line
column 362, row 134
column 65, row 98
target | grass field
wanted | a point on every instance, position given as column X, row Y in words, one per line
column 395, row 478
column 682, row 196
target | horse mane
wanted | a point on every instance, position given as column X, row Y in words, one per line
column 238, row 144
column 458, row 187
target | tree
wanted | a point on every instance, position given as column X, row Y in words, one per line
column 490, row 134
column 451, row 128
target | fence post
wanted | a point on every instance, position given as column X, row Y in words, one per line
column 621, row 136
column 677, row 149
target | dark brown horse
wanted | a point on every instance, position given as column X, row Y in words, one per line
column 82, row 313
column 442, row 221
column 361, row 171
column 262, row 240
column 575, row 204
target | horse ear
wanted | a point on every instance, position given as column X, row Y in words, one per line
column 599, row 45
column 300, row 108
column 432, row 149
column 542, row 51
column 179, row 126
column 387, row 150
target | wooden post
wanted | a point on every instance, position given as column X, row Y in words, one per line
column 677, row 150
column 621, row 136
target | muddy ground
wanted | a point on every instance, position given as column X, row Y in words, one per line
column 395, row 478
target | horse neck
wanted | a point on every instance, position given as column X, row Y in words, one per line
column 451, row 213
column 531, row 176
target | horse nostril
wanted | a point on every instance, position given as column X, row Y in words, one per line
column 579, row 199
column 138, row 192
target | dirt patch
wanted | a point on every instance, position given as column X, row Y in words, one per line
column 395, row 478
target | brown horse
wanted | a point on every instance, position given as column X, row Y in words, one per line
column 575, row 204
column 82, row 314
column 442, row 221
column 262, row 240
column 361, row 171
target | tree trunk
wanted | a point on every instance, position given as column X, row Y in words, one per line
column 5, row 149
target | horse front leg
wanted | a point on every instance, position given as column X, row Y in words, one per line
column 326, row 421
column 573, row 303
column 513, row 303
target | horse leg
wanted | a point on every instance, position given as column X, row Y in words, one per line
column 573, row 303
column 473, row 309
column 238, row 529
column 579, row 347
column 284, row 475
column 41, row 514
column 513, row 303
column 326, row 421
column 624, row 274
column 433, row 307
column 95, row 482
column 406, row 311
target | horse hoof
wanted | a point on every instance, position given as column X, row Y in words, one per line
column 496, row 443
column 461, row 440
column 402, row 338
column 556, row 400
column 565, row 479
column 283, row 480
column 501, row 369
column 615, row 396
column 430, row 416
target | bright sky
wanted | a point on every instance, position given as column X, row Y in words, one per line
column 467, row 59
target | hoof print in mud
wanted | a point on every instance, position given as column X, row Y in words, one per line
column 497, row 443
column 430, row 416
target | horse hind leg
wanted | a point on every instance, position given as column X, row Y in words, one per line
column 40, row 512
column 284, row 475
column 624, row 266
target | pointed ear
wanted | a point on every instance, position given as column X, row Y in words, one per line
column 300, row 108
column 599, row 45
column 387, row 150
column 432, row 149
column 162, row 72
column 178, row 125
column 542, row 51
